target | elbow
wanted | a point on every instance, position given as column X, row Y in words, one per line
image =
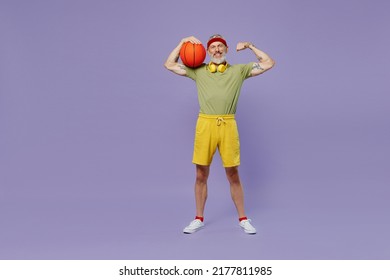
column 168, row 65
column 272, row 63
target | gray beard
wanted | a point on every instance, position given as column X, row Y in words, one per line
column 218, row 60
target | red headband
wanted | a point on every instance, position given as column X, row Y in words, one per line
column 217, row 39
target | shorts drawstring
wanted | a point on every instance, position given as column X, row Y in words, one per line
column 220, row 120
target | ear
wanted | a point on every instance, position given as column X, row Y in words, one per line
column 227, row 49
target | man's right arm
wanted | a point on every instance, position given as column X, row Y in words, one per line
column 172, row 61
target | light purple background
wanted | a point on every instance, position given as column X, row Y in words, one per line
column 96, row 136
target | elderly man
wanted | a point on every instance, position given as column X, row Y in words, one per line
column 219, row 84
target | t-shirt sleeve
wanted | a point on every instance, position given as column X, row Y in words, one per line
column 194, row 72
column 246, row 70
column 190, row 73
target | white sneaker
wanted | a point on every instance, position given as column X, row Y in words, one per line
column 194, row 226
column 247, row 227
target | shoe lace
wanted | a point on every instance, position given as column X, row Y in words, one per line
column 195, row 222
column 247, row 223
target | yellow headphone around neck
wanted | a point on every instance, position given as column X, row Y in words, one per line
column 220, row 68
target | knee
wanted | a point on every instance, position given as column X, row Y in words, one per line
column 202, row 175
column 232, row 175
column 201, row 178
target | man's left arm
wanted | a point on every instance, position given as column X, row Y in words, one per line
column 264, row 63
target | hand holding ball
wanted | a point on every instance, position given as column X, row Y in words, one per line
column 192, row 55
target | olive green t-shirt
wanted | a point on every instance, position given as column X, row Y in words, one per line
column 218, row 93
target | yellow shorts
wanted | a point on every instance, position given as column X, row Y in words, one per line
column 214, row 131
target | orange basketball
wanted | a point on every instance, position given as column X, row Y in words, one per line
column 192, row 55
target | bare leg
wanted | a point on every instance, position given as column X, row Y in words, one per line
column 236, row 189
column 202, row 174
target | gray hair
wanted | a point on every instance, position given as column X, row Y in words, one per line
column 216, row 36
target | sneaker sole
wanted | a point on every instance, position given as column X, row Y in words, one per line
column 248, row 232
column 193, row 231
